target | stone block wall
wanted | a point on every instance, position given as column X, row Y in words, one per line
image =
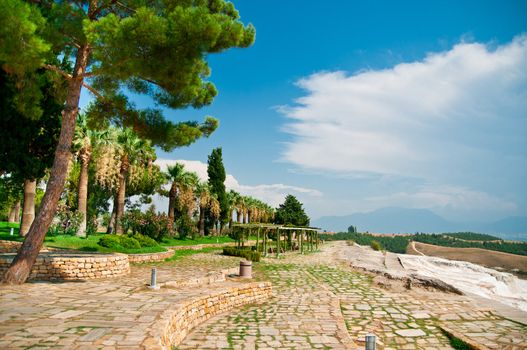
column 193, row 312
column 65, row 266
column 150, row 257
column 9, row 246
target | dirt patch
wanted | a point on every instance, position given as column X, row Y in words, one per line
column 488, row 258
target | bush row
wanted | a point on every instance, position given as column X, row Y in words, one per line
column 246, row 253
column 134, row 241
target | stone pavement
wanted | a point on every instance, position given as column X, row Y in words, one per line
column 318, row 303
column 317, row 297
column 107, row 313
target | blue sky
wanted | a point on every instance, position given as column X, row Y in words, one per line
column 354, row 106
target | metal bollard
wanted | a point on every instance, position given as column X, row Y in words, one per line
column 153, row 279
column 370, row 342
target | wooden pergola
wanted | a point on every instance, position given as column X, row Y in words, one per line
column 303, row 239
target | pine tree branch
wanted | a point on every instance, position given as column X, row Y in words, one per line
column 57, row 70
column 93, row 15
column 93, row 91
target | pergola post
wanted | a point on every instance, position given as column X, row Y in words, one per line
column 297, row 237
column 258, row 237
column 277, row 242
column 265, row 243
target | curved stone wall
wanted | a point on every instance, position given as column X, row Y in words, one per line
column 177, row 322
column 72, row 266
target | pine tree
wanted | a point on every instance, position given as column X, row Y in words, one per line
column 291, row 213
column 152, row 48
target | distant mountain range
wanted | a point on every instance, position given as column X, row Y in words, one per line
column 403, row 220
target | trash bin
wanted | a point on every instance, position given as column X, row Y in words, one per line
column 246, row 268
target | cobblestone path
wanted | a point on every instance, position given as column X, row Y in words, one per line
column 113, row 313
column 317, row 298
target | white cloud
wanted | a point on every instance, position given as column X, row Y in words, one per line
column 272, row 194
column 457, row 119
column 396, row 120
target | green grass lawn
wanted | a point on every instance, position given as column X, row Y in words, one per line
column 89, row 244
column 5, row 227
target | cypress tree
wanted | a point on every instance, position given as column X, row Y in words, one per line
column 216, row 173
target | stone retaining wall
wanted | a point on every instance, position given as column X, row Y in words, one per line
column 176, row 324
column 71, row 266
column 210, row 278
column 150, row 257
column 9, row 246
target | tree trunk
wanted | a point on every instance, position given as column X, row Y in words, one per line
column 249, row 216
column 172, row 204
column 14, row 214
column 112, row 217
column 83, row 190
column 27, row 254
column 28, row 211
column 18, row 205
column 238, row 216
column 230, row 218
column 202, row 221
column 121, row 195
column 244, row 216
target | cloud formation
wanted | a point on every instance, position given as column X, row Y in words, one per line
column 457, row 119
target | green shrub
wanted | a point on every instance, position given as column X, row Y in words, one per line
column 110, row 241
column 375, row 245
column 246, row 253
column 118, row 242
column 65, row 222
column 151, row 224
column 144, row 241
column 129, row 242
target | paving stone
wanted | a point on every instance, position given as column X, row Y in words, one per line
column 410, row 333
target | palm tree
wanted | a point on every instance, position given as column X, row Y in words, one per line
column 215, row 210
column 181, row 194
column 28, row 209
column 250, row 207
column 132, row 149
column 202, row 191
column 233, row 197
column 84, row 141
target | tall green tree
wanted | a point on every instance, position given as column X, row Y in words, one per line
column 153, row 48
column 216, row 173
column 28, row 142
column 291, row 212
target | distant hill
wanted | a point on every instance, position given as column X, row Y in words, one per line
column 404, row 220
